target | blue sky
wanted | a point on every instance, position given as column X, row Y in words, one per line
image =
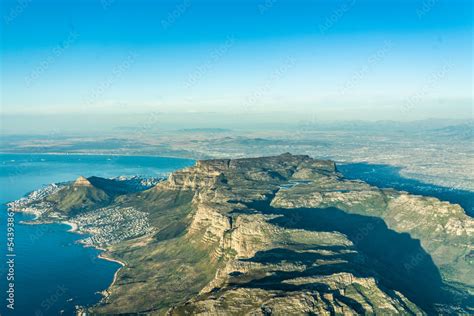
column 332, row 59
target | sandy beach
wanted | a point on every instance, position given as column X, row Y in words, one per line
column 74, row 228
column 102, row 256
column 72, row 225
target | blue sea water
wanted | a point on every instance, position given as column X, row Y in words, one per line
column 52, row 272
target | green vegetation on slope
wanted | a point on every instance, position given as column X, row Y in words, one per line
column 74, row 199
column 282, row 235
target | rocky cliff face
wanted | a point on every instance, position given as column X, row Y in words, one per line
column 288, row 235
column 82, row 182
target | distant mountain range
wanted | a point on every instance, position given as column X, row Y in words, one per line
column 461, row 132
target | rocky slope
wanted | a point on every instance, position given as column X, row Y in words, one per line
column 288, row 235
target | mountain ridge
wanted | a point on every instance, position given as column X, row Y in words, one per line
column 288, row 235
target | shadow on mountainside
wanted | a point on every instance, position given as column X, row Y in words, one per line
column 387, row 176
column 396, row 260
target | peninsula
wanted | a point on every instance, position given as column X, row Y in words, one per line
column 279, row 235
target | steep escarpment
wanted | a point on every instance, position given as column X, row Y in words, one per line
column 443, row 229
column 280, row 235
column 289, row 235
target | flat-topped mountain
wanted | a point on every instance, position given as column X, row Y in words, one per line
column 282, row 235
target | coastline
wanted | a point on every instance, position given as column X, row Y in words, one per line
column 73, row 226
column 106, row 293
column 105, row 257
column 183, row 157
column 102, row 255
column 75, row 229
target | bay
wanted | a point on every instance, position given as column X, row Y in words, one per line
column 52, row 272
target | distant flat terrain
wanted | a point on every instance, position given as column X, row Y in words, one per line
column 439, row 155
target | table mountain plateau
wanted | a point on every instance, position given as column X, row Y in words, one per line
column 282, row 235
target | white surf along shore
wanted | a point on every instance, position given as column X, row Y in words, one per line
column 73, row 226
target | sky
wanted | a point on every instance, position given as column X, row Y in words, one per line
column 340, row 59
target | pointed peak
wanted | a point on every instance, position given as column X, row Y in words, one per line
column 82, row 182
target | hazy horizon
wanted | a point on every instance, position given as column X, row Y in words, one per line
column 108, row 124
column 340, row 60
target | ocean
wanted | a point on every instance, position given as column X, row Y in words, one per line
column 52, row 272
